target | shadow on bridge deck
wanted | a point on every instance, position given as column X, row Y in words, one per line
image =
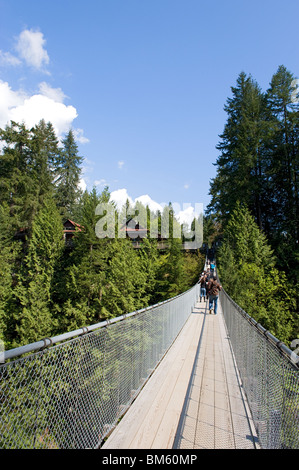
column 194, row 399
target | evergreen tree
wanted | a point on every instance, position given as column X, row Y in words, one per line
column 212, row 229
column 10, row 256
column 16, row 182
column 27, row 170
column 248, row 243
column 193, row 264
column 81, row 279
column 68, row 176
column 259, row 162
column 88, row 217
column 126, row 280
column 246, row 265
column 149, row 258
column 44, row 155
column 170, row 272
column 283, row 164
column 49, row 287
column 33, row 293
column 240, row 174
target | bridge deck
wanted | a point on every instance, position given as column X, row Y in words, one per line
column 194, row 399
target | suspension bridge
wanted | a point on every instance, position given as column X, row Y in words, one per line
column 194, row 398
column 171, row 376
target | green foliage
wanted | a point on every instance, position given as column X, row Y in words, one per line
column 269, row 298
column 33, row 317
column 258, row 162
column 68, row 175
column 247, row 271
column 170, row 271
column 8, row 260
column 193, row 264
column 247, row 242
column 49, row 287
column 239, row 164
column 126, row 280
column 258, row 166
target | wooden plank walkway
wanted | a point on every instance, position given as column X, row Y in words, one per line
column 194, row 399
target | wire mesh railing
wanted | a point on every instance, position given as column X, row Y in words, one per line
column 270, row 378
column 68, row 392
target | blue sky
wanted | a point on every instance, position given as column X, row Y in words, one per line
column 142, row 83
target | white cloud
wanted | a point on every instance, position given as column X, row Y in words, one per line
column 146, row 200
column 184, row 213
column 30, row 47
column 20, row 107
column 8, row 100
column 120, row 197
column 55, row 94
column 78, row 133
column 82, row 185
column 47, row 103
column 6, row 58
column 120, row 164
column 39, row 107
column 189, row 212
column 100, row 183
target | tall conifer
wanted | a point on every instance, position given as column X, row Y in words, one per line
column 240, row 173
column 33, row 293
column 68, row 172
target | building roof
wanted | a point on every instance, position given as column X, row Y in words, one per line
column 74, row 225
column 134, row 227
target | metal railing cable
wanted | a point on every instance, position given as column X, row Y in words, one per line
column 69, row 391
column 270, row 377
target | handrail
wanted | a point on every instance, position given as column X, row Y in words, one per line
column 73, row 390
column 269, row 375
column 48, row 342
column 280, row 345
column 71, row 394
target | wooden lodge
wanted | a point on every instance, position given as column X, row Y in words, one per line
column 69, row 230
column 134, row 231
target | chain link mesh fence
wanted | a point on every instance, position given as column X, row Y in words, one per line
column 71, row 394
column 270, row 378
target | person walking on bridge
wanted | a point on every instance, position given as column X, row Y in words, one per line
column 213, row 268
column 202, row 282
column 214, row 288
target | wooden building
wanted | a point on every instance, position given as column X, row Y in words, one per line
column 70, row 228
column 134, row 231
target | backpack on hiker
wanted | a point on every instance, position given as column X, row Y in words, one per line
column 214, row 288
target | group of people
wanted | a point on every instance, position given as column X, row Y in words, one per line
column 210, row 287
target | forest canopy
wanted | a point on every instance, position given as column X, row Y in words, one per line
column 50, row 286
column 254, row 201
